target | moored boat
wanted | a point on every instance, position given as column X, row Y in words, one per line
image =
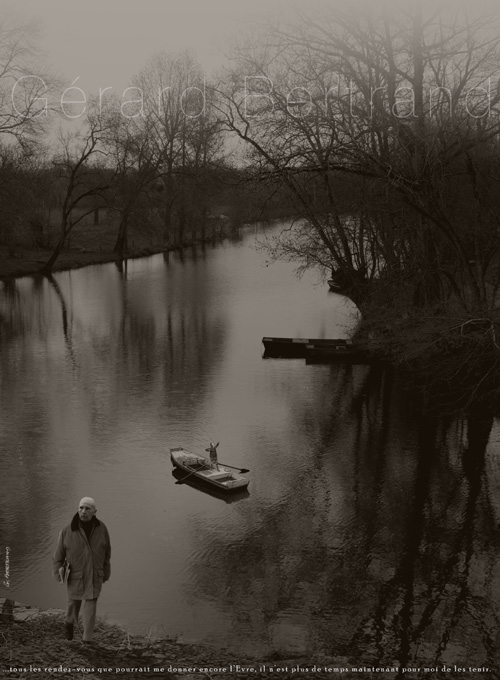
column 334, row 286
column 221, row 477
column 295, row 347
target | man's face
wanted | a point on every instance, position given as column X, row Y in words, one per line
column 86, row 510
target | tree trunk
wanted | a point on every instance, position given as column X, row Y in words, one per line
column 169, row 204
column 181, row 222
column 47, row 267
column 121, row 244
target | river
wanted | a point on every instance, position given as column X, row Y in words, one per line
column 369, row 530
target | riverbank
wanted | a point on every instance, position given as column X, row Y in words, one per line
column 449, row 357
column 32, row 644
column 29, row 261
column 94, row 244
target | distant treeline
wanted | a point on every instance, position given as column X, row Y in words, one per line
column 197, row 207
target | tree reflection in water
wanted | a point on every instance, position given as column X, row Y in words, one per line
column 394, row 558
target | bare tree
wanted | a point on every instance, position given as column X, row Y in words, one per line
column 136, row 164
column 76, row 168
column 405, row 103
column 26, row 88
column 182, row 132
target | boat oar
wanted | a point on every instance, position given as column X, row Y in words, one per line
column 180, row 481
column 242, row 470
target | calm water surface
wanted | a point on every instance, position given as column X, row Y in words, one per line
column 369, row 529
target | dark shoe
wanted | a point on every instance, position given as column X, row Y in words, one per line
column 69, row 631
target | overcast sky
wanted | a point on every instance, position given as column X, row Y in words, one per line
column 105, row 42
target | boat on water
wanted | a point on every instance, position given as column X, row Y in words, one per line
column 293, row 348
column 334, row 286
column 221, row 477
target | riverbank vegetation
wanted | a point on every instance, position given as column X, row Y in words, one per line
column 396, row 110
column 383, row 125
column 107, row 179
column 375, row 132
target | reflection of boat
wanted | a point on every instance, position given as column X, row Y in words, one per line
column 295, row 347
column 198, row 467
column 235, row 495
column 331, row 353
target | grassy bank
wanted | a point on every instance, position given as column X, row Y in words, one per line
column 94, row 244
column 28, row 261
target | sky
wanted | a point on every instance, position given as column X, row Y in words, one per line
column 99, row 44
column 104, row 43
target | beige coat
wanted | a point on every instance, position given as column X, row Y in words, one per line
column 89, row 561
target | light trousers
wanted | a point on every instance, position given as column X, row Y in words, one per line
column 88, row 615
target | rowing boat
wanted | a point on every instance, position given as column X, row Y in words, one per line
column 334, row 286
column 221, row 477
column 293, row 348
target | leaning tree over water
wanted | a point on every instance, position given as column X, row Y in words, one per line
column 390, row 117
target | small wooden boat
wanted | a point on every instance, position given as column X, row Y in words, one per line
column 224, row 478
column 334, row 286
column 295, row 347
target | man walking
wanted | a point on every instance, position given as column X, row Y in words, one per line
column 83, row 554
